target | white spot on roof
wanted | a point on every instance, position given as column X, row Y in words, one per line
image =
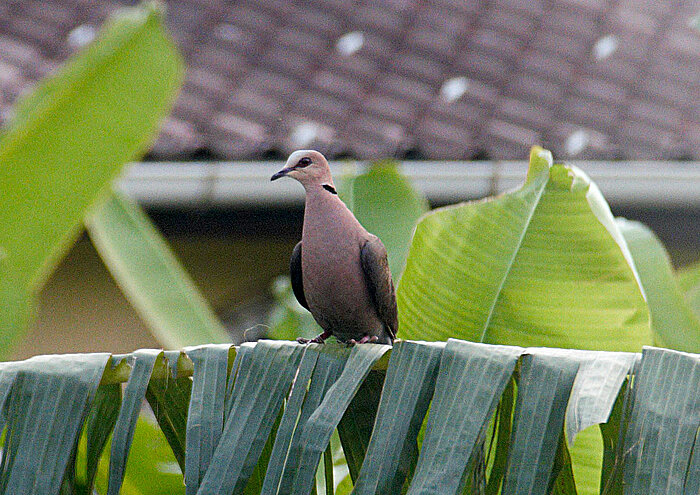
column 303, row 134
column 81, row 36
column 453, row 89
column 227, row 32
column 605, row 47
column 350, row 43
column 577, row 142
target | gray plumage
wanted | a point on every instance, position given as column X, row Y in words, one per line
column 339, row 270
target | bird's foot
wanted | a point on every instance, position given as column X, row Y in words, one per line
column 364, row 340
column 319, row 339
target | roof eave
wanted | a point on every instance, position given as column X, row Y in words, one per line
column 247, row 185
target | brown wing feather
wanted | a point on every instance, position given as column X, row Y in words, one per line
column 378, row 279
column 295, row 273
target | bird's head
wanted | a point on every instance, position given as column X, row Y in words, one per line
column 308, row 167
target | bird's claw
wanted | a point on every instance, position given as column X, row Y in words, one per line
column 364, row 340
column 319, row 339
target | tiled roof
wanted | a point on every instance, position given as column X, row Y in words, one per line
column 450, row 79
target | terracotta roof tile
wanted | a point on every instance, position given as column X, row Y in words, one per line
column 523, row 113
column 537, row 89
column 389, row 108
column 498, row 43
column 415, row 66
column 283, row 85
column 254, row 104
column 326, row 108
column 559, row 44
column 547, row 65
column 590, row 5
column 437, row 78
column 484, row 67
column 411, row 89
column 591, row 112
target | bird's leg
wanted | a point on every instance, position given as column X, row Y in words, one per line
column 319, row 339
column 364, row 340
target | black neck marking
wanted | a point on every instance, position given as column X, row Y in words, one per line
column 329, row 188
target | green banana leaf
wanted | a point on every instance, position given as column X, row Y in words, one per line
column 150, row 275
column 152, row 468
column 689, row 280
column 543, row 392
column 673, row 321
column 387, row 205
column 239, row 410
column 68, row 140
column 661, row 438
column 544, row 265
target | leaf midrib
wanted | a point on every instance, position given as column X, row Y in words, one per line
column 507, row 271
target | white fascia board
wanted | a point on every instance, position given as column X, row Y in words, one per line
column 247, row 184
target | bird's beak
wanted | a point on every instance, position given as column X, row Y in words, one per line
column 281, row 173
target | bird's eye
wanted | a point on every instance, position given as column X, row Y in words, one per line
column 304, row 162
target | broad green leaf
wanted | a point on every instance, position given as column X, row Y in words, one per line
column 256, row 480
column 692, row 484
column 665, row 420
column 543, row 391
column 470, row 382
column 150, row 276
column 292, row 411
column 99, row 425
column 408, row 389
column 689, row 280
column 504, row 424
column 613, row 436
column 45, row 412
column 319, row 427
column 674, row 323
column 341, row 472
column 169, row 399
column 598, row 381
column 329, row 366
column 387, row 205
column 8, row 374
column 544, row 265
column 151, row 469
column 355, row 427
column 689, row 276
column 241, row 361
column 328, row 470
column 68, row 140
column 205, row 417
column 258, row 393
column 142, row 363
column 563, row 482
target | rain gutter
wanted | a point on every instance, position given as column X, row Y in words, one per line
column 247, row 184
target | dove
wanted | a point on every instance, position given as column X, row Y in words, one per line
column 339, row 271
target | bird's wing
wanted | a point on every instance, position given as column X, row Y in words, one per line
column 379, row 284
column 295, row 272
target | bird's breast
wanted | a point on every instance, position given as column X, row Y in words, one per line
column 333, row 279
